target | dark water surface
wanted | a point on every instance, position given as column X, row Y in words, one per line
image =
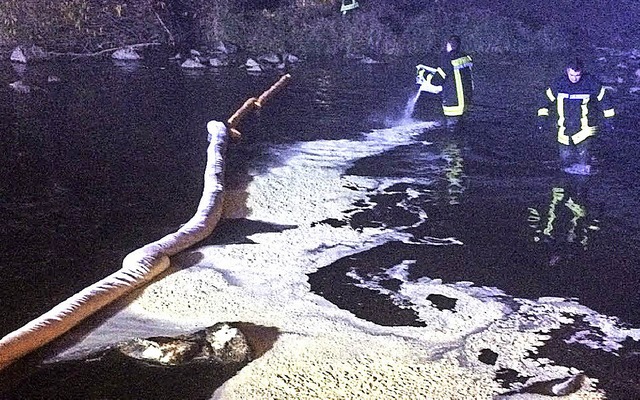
column 111, row 158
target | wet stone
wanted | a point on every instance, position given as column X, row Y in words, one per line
column 221, row 344
column 190, row 366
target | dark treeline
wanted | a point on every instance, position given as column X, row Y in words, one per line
column 317, row 27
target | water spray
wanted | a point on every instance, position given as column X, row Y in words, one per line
column 425, row 86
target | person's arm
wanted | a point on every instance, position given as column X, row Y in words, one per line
column 444, row 69
column 608, row 111
column 546, row 100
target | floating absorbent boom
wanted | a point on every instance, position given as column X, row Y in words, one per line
column 144, row 264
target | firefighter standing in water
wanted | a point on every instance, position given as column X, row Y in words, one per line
column 454, row 75
column 581, row 105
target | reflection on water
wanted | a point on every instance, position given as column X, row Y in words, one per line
column 566, row 218
column 454, row 172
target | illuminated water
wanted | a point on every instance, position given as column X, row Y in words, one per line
column 111, row 158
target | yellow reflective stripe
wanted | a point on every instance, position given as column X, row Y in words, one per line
column 462, row 62
column 560, row 108
column 601, row 94
column 453, row 111
column 584, row 119
column 562, row 138
column 583, row 134
column 550, row 95
column 441, row 72
column 557, row 194
column 543, row 112
column 578, row 210
column 609, row 113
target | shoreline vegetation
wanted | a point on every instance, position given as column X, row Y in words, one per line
column 311, row 28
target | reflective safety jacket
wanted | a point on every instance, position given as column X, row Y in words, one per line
column 454, row 75
column 579, row 107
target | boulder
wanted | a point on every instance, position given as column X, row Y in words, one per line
column 25, row 55
column 20, row 87
column 187, row 366
column 126, row 54
column 221, row 344
column 225, row 48
column 218, row 62
column 368, row 60
column 253, row 66
column 192, row 63
column 290, row 58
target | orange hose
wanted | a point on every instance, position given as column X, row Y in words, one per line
column 253, row 103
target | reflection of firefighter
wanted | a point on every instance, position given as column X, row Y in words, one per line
column 454, row 172
column 549, row 227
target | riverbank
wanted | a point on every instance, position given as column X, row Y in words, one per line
column 312, row 28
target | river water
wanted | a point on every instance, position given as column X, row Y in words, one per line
column 110, row 157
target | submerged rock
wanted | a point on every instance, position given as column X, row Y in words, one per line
column 557, row 387
column 220, row 344
column 225, row 48
column 369, row 60
column 189, row 366
column 290, row 58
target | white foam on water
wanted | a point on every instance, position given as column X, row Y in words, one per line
column 325, row 351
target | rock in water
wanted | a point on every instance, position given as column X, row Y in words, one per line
column 20, row 87
column 557, row 387
column 24, row 54
column 192, row 63
column 165, row 351
column 189, row 366
column 227, row 344
column 220, row 344
column 127, row 53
